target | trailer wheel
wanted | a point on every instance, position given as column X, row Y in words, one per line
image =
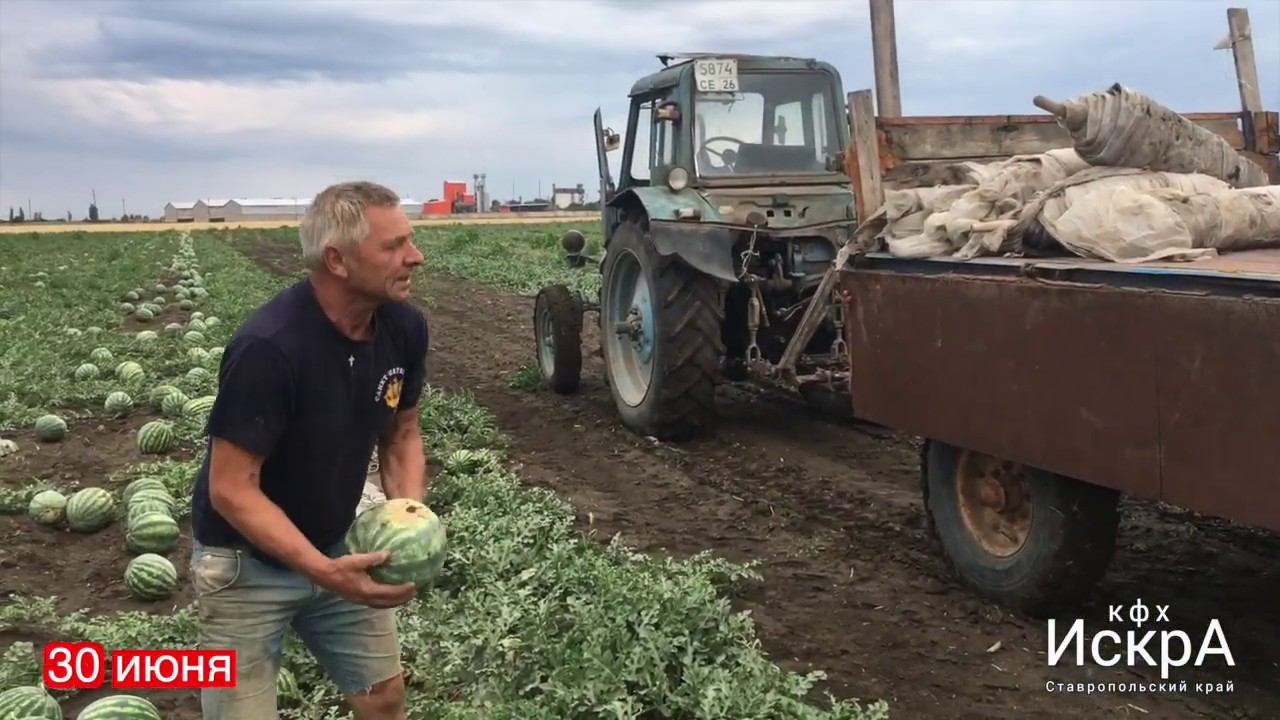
column 1032, row 540
column 557, row 323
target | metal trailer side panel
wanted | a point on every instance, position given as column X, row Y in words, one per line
column 1158, row 394
column 1220, row 407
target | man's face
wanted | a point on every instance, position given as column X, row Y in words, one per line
column 380, row 267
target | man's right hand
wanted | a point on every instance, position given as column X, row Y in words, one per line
column 348, row 576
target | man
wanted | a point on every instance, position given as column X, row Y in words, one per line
column 307, row 386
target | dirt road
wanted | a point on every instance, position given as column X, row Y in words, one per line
column 832, row 513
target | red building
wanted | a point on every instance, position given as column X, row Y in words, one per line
column 455, row 199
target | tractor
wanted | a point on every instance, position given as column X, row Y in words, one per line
column 721, row 236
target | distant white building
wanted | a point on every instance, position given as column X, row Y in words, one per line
column 278, row 208
column 565, row 197
column 265, row 209
column 180, row 211
column 214, row 209
column 412, row 208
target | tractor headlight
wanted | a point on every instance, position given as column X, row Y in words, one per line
column 678, row 179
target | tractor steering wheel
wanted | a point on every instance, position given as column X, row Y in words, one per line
column 703, row 149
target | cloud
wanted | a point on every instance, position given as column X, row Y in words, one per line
column 157, row 101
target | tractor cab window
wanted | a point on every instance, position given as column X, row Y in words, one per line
column 642, row 155
column 776, row 123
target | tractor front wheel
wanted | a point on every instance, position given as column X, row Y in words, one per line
column 660, row 325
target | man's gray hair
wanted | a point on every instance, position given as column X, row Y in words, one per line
column 336, row 217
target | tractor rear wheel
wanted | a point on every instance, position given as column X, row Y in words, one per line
column 557, row 326
column 660, row 332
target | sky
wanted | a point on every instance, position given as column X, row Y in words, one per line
column 150, row 101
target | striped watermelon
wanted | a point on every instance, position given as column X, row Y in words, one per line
column 50, row 428
column 197, row 355
column 410, row 532
column 118, row 403
column 173, row 328
column 186, row 304
column 152, row 532
column 213, row 321
column 119, row 707
column 29, row 701
column 139, row 484
column 196, row 325
column 129, row 371
column 145, row 506
column 87, row 371
column 157, row 437
column 172, row 403
column 150, row 577
column 90, row 510
column 101, row 355
column 48, row 507
column 193, row 337
column 126, row 308
column 93, row 330
column 154, row 494
column 199, row 406
column 197, row 315
column 198, row 375
column 161, row 287
column 144, row 314
column 146, row 336
column 158, row 392
column 133, row 296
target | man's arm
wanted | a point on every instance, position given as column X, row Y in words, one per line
column 402, row 459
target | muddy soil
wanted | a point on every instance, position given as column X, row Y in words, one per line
column 831, row 512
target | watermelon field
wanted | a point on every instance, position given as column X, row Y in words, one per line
column 109, row 367
column 780, row 568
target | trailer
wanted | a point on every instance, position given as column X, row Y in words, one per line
column 1046, row 388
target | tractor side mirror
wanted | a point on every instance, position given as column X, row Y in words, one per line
column 611, row 140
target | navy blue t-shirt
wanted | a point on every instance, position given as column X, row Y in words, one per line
column 295, row 390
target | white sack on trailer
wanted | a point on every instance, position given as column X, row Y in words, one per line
column 974, row 217
column 1126, row 215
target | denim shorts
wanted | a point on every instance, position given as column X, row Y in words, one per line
column 246, row 605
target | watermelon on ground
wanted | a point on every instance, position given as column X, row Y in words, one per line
column 50, row 428
column 140, row 483
column 29, row 701
column 150, row 576
column 408, row 530
column 119, row 707
column 153, row 494
column 48, row 507
column 152, row 532
column 90, row 509
column 157, row 437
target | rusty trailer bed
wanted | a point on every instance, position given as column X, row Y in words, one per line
column 1161, row 380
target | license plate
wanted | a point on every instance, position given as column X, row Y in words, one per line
column 716, row 75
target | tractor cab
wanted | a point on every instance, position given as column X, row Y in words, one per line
column 726, row 122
